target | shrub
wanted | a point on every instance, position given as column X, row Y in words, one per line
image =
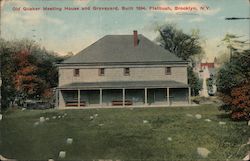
column 233, row 84
column 241, row 102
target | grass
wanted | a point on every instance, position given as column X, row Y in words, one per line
column 123, row 134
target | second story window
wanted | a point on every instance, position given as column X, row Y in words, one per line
column 126, row 71
column 76, row 72
column 101, row 72
column 168, row 70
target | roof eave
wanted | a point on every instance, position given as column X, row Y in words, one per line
column 123, row 63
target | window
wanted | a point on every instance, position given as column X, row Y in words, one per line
column 126, row 71
column 76, row 72
column 101, row 72
column 168, row 71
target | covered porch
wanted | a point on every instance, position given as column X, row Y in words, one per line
column 123, row 94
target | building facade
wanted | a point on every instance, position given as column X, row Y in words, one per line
column 122, row 70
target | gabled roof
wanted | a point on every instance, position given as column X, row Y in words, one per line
column 121, row 49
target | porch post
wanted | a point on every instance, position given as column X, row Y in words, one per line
column 189, row 95
column 61, row 102
column 168, row 100
column 146, row 96
column 79, row 98
column 56, row 103
column 123, row 97
column 100, row 96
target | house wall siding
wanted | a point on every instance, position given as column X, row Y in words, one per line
column 178, row 74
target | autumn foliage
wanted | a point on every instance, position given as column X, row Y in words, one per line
column 25, row 78
column 239, row 101
column 28, row 72
column 234, row 86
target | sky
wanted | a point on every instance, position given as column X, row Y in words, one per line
column 71, row 31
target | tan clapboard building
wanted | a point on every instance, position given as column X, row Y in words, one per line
column 123, row 70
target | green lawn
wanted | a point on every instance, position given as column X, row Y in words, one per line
column 123, row 134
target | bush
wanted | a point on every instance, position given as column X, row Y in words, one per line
column 233, row 84
column 241, row 102
column 194, row 82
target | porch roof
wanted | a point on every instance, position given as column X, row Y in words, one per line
column 123, row 84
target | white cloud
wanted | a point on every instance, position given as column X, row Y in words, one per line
column 14, row 3
column 212, row 49
column 81, row 2
column 52, row 20
column 211, row 11
column 10, row 18
column 71, row 44
column 197, row 19
column 173, row 19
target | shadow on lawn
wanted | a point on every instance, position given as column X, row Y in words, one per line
column 223, row 116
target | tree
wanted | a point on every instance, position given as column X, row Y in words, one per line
column 233, row 44
column 181, row 44
column 241, row 102
column 7, row 69
column 233, row 85
column 194, row 82
column 28, row 71
column 235, row 72
column 185, row 46
column 27, row 82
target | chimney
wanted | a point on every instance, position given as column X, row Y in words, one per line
column 135, row 38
